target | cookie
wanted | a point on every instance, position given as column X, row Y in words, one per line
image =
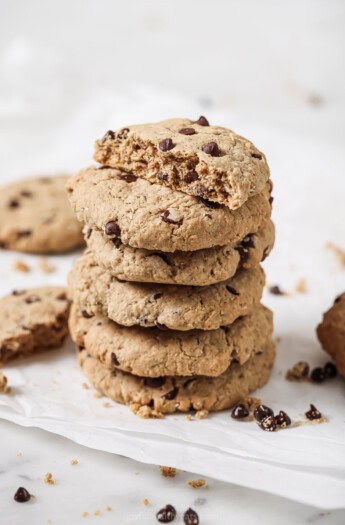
column 36, row 217
column 32, row 320
column 188, row 156
column 331, row 333
column 96, row 291
column 145, row 215
column 152, row 352
column 199, row 268
column 165, row 395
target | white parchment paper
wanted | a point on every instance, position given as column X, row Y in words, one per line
column 306, row 463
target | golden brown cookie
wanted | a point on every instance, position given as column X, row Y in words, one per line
column 331, row 333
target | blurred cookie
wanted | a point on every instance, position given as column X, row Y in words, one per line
column 331, row 332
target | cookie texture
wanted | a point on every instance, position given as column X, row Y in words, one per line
column 32, row 320
column 331, row 333
column 96, row 291
column 199, row 268
column 152, row 352
column 151, row 216
column 36, row 217
column 189, row 156
column 171, row 394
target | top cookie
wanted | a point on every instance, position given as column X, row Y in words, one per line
column 189, row 156
column 151, row 216
column 36, row 217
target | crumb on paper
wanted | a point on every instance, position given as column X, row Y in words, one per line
column 3, row 383
column 85, row 386
column 108, row 508
column 97, row 512
column 196, row 483
column 145, row 412
column 168, row 472
column 301, row 286
column 21, row 266
column 97, row 394
column 146, row 502
column 276, row 290
column 48, row 478
column 315, row 99
column 201, row 414
column 106, row 404
column 299, row 372
column 339, row 252
column 189, row 417
column 85, row 514
column 45, row 266
column 74, row 461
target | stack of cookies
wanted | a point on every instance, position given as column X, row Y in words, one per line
column 166, row 309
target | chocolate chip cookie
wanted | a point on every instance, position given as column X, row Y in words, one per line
column 151, row 216
column 32, row 320
column 199, row 268
column 193, row 157
column 96, row 291
column 165, row 395
column 331, row 332
column 153, row 352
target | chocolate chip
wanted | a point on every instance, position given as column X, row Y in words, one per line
column 166, row 145
column 268, row 424
column 275, row 290
column 190, row 517
column 161, row 326
column 262, row 411
column 24, row 233
column 112, row 228
column 270, row 200
column 88, row 233
column 86, row 314
column 157, row 296
column 13, row 203
column 330, row 370
column 282, row 419
column 114, row 359
column 232, row 290
column 169, row 396
column 109, row 135
column 22, row 495
column 211, row 148
column 202, row 121
column 116, row 242
column 32, row 299
column 166, row 218
column 243, row 247
column 128, row 177
column 162, row 256
column 240, row 411
column 318, row 375
column 154, row 382
column 313, row 413
column 18, row 292
column 187, row 131
column 257, row 156
column 210, row 204
column 26, row 193
column 166, row 514
column 191, row 176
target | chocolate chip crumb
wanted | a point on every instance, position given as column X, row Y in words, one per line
column 240, row 411
column 330, row 370
column 187, row 131
column 313, row 413
column 166, row 145
column 112, row 228
column 190, row 517
column 275, row 290
column 268, row 424
column 128, row 177
column 22, row 495
column 282, row 419
column 202, row 121
column 154, row 382
column 257, row 156
column 318, row 375
column 262, row 411
column 211, row 148
column 166, row 514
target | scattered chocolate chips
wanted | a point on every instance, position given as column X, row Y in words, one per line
column 166, row 514
column 187, row 131
column 169, row 396
column 109, row 135
column 154, row 382
column 262, row 411
column 202, row 121
column 166, row 218
column 24, row 233
column 232, row 290
column 32, row 299
column 313, row 413
column 112, row 228
column 257, row 156
column 166, row 145
column 161, row 326
column 190, row 517
column 191, row 176
column 282, row 419
column 13, row 203
column 86, row 314
column 318, row 375
column 240, row 411
column 268, row 424
column 210, row 204
column 114, row 359
column 330, row 370
column 128, row 177
column 275, row 290
column 22, row 495
column 211, row 148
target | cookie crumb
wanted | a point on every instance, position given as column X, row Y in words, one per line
column 74, row 461
column 107, row 404
column 299, row 372
column 189, row 417
column 48, row 478
column 276, row 290
column 145, row 412
column 301, row 286
column 45, row 266
column 85, row 514
column 201, row 414
column 97, row 512
column 108, row 508
column 85, row 386
column 97, row 395
column 339, row 252
column 21, row 266
column 3, row 383
column 146, row 502
column 196, row 483
column 168, row 472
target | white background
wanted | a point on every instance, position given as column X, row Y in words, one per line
column 275, row 66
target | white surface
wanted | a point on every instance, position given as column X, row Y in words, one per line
column 254, row 63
